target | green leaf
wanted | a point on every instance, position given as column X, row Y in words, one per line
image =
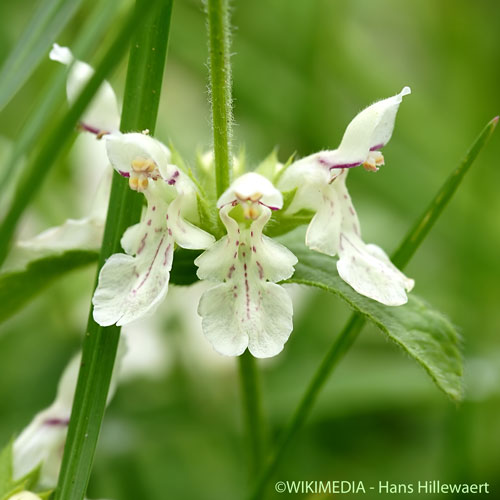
column 423, row 333
column 47, row 22
column 17, row 288
column 267, row 167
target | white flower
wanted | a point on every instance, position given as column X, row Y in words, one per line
column 24, row 495
column 95, row 178
column 102, row 115
column 132, row 285
column 42, row 441
column 320, row 183
column 248, row 309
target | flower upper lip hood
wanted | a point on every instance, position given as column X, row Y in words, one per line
column 369, row 131
column 102, row 115
column 124, row 149
column 254, row 188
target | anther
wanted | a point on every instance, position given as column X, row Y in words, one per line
column 143, row 165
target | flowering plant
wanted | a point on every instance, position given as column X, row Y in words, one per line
column 245, row 231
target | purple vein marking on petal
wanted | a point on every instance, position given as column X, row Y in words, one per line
column 269, row 206
column 124, row 174
column 378, row 146
column 90, row 128
column 349, row 242
column 150, row 266
column 173, row 179
column 142, row 245
column 330, row 165
column 247, row 293
column 347, row 165
column 231, row 271
column 166, row 254
column 62, row 422
column 261, row 270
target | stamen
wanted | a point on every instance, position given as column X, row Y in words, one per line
column 250, row 211
column 143, row 164
column 374, row 160
column 133, row 182
column 255, row 197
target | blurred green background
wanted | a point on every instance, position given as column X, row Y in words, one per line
column 302, row 70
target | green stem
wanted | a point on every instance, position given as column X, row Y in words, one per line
column 220, row 90
column 142, row 93
column 252, row 409
column 221, row 100
column 353, row 327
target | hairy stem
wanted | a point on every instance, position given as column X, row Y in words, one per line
column 220, row 89
column 142, row 92
column 221, row 101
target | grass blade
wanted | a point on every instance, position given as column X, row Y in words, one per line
column 53, row 96
column 142, row 92
column 424, row 224
column 48, row 21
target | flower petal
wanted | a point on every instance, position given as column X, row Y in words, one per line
column 264, row 330
column 84, row 234
column 246, row 310
column 133, row 287
column 24, row 495
column 74, row 234
column 249, row 186
column 221, row 322
column 370, row 272
column 186, row 234
column 370, row 130
column 324, row 229
column 102, row 113
column 123, row 149
column 41, row 443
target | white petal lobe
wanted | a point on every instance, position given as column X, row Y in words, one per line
column 102, row 114
column 247, row 309
column 131, row 287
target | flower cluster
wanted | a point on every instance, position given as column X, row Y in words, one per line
column 247, row 308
